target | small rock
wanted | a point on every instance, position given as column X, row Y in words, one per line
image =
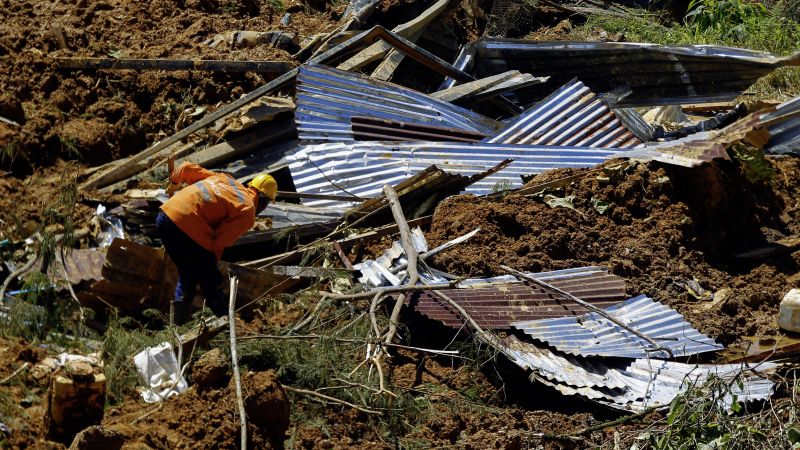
column 97, row 438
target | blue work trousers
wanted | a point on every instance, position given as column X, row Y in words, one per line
column 195, row 265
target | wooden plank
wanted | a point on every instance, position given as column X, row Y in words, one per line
column 212, row 65
column 225, row 151
column 462, row 90
column 410, row 29
column 392, row 60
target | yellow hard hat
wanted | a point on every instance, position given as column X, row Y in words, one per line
column 266, row 185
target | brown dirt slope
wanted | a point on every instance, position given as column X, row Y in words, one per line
column 100, row 116
column 664, row 225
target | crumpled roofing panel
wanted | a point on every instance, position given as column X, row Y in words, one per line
column 594, row 335
column 656, row 74
column 572, row 115
column 328, row 98
column 785, row 131
column 633, row 385
column 363, row 168
column 497, row 302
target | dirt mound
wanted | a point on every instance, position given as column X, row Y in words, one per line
column 660, row 225
column 266, row 404
column 208, row 418
column 211, row 370
column 101, row 116
column 97, row 438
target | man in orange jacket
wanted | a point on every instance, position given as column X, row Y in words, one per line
column 199, row 221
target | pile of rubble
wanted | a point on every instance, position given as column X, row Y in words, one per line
column 360, row 159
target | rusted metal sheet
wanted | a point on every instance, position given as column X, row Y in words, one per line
column 84, row 265
column 635, row 385
column 327, row 99
column 137, row 277
column 371, row 129
column 495, row 304
column 572, row 115
column 593, row 335
column 655, row 74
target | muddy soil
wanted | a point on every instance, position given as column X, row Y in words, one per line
column 662, row 225
column 100, row 116
column 207, row 419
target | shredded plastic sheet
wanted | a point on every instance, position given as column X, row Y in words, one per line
column 160, row 371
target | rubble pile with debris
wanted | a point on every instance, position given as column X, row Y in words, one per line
column 478, row 241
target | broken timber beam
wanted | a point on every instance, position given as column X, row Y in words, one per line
column 212, row 65
column 407, row 30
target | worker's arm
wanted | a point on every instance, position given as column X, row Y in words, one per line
column 229, row 230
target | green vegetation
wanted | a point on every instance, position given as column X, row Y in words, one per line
column 699, row 419
column 8, row 153
column 70, row 146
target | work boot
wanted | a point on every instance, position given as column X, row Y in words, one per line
column 180, row 311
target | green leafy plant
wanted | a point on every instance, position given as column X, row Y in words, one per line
column 729, row 16
column 755, row 165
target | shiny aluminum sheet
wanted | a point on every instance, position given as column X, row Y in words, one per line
column 785, row 129
column 656, row 74
column 572, row 115
column 363, row 168
column 497, row 302
column 634, row 385
column 594, row 335
column 328, row 98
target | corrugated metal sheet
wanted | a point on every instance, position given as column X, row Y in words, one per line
column 656, row 74
column 363, row 168
column 634, row 385
column 496, row 303
column 327, row 99
column 705, row 146
column 369, row 129
column 572, row 115
column 785, row 129
column 83, row 265
column 594, row 335
column 417, row 191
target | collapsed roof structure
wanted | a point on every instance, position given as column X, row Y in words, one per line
column 504, row 111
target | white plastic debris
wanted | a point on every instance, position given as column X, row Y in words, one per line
column 789, row 316
column 160, row 371
column 111, row 227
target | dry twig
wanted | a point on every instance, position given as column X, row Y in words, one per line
column 411, row 256
column 235, row 359
column 330, row 399
column 14, row 373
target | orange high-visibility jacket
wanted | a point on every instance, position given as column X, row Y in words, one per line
column 214, row 210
